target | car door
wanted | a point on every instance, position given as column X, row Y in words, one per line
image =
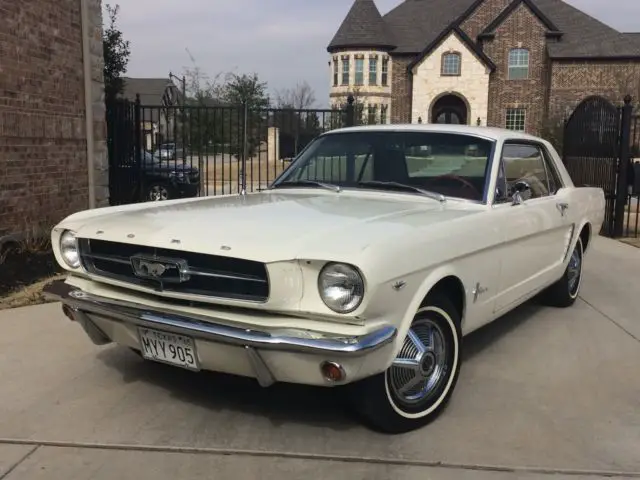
column 535, row 227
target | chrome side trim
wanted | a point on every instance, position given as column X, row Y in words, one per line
column 204, row 327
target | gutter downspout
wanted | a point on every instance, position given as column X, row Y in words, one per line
column 88, row 101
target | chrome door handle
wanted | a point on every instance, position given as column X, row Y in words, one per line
column 562, row 206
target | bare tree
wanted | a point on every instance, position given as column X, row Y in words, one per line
column 200, row 87
column 299, row 97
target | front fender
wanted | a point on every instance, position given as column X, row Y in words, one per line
column 420, row 293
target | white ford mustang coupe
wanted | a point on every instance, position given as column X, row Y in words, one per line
column 363, row 265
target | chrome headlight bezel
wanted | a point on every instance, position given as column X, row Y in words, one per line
column 354, row 281
column 69, row 251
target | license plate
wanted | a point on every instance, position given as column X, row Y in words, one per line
column 168, row 348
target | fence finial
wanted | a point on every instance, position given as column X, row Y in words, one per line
column 628, row 99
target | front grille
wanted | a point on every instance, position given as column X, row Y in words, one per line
column 199, row 274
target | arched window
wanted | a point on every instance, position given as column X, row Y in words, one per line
column 518, row 64
column 451, row 63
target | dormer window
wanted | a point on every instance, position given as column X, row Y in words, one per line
column 451, row 64
column 518, row 64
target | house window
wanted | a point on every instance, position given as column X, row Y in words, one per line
column 371, row 117
column 373, row 71
column 518, row 64
column 451, row 63
column 359, row 71
column 516, row 119
column 385, row 72
column 383, row 114
column 335, row 72
column 345, row 71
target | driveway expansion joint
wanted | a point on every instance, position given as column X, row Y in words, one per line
column 22, row 459
column 312, row 456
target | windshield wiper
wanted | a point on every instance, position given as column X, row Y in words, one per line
column 403, row 186
column 308, row 183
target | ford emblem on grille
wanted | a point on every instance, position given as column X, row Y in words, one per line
column 169, row 270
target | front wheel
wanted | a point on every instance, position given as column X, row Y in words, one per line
column 418, row 385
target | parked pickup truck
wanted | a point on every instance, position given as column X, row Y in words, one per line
column 362, row 266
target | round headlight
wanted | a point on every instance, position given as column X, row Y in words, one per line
column 69, row 249
column 341, row 287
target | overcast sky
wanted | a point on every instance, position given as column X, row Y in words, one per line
column 283, row 41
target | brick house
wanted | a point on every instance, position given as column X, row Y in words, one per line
column 508, row 63
column 155, row 92
column 52, row 114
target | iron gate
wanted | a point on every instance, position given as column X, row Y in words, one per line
column 592, row 150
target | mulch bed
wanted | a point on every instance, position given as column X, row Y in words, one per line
column 21, row 268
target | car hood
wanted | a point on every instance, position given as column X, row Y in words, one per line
column 269, row 226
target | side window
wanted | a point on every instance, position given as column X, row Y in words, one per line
column 525, row 163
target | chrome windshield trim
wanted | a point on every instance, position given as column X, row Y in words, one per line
column 205, row 327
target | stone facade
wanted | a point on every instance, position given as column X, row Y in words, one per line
column 43, row 142
column 376, row 94
column 472, row 85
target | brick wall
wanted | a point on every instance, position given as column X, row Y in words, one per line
column 573, row 81
column 483, row 16
column 43, row 154
column 401, row 89
column 521, row 29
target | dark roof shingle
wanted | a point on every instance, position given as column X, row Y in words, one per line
column 417, row 23
column 414, row 24
column 362, row 27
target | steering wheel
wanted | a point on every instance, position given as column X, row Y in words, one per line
column 465, row 183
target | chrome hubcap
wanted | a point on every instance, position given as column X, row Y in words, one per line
column 421, row 364
column 573, row 271
column 158, row 193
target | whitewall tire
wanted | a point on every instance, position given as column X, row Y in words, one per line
column 419, row 383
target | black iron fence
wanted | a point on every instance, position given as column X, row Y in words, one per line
column 601, row 143
column 162, row 152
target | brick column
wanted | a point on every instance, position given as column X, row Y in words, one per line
column 100, row 156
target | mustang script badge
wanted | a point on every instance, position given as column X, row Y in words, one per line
column 168, row 270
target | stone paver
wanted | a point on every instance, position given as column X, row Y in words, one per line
column 542, row 387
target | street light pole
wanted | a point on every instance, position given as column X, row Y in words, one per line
column 183, row 82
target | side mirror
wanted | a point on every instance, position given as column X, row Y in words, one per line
column 521, row 192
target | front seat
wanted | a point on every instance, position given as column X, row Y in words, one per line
column 390, row 166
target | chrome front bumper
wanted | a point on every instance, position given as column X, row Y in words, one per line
column 81, row 306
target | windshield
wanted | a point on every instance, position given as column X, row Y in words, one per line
column 451, row 164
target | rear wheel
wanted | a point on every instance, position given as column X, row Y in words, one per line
column 418, row 385
column 157, row 192
column 565, row 291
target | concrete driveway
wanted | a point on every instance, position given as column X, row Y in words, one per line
column 542, row 392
